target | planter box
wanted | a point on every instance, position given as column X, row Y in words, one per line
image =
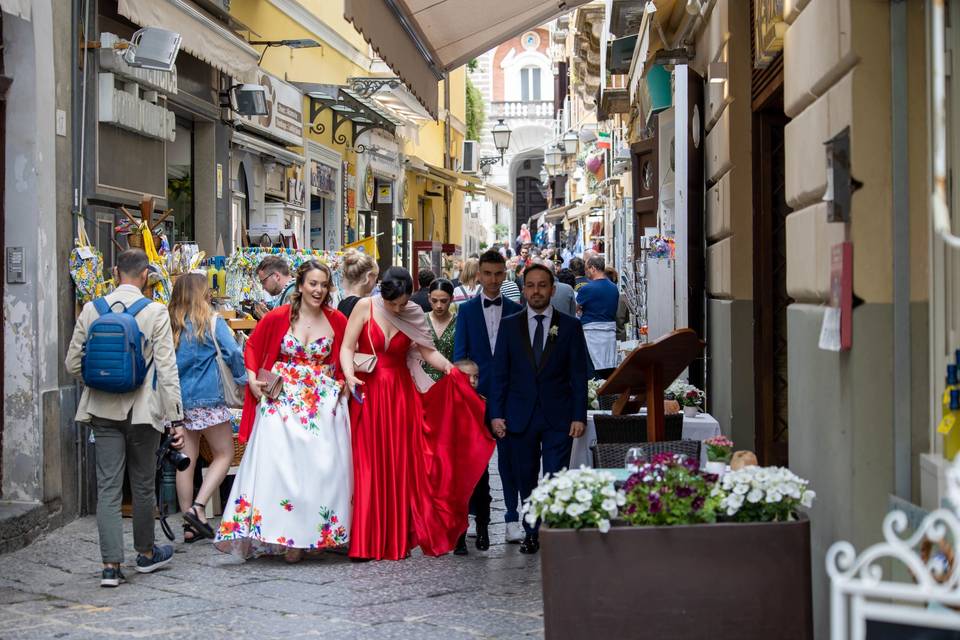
column 714, row 581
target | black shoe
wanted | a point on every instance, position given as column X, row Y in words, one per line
column 461, row 548
column 530, row 545
column 111, row 577
column 483, row 538
column 162, row 555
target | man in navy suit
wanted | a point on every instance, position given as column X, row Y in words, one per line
column 538, row 403
column 478, row 322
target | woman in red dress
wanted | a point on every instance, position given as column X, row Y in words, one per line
column 415, row 465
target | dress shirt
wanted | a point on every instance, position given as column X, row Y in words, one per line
column 491, row 315
column 532, row 322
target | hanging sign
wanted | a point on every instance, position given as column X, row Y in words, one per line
column 405, row 196
column 368, row 185
column 385, row 193
column 284, row 119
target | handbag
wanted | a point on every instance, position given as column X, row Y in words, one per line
column 274, row 383
column 233, row 393
column 366, row 362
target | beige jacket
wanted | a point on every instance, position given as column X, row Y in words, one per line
column 150, row 406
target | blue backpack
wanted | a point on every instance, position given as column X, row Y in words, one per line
column 113, row 354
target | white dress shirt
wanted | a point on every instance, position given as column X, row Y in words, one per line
column 532, row 323
column 492, row 315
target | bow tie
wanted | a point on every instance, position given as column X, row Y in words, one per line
column 492, row 303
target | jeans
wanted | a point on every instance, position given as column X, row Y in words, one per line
column 121, row 445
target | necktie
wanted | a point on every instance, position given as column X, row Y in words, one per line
column 492, row 303
column 538, row 339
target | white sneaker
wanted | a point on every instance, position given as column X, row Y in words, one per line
column 514, row 532
column 472, row 529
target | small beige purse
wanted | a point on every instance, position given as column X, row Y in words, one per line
column 366, row 362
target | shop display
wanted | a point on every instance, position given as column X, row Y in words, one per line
column 242, row 284
column 86, row 268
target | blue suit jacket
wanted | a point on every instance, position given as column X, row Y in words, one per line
column 471, row 340
column 557, row 388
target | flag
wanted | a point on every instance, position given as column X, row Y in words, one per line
column 366, row 245
column 603, row 140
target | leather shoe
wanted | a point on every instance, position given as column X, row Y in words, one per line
column 483, row 538
column 461, row 548
column 530, row 545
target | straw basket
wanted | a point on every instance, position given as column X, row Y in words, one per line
column 238, row 448
column 135, row 240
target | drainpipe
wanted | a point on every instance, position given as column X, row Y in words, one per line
column 447, row 160
column 902, row 374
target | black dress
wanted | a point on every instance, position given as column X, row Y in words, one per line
column 347, row 304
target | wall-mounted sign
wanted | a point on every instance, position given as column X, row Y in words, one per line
column 368, row 185
column 770, row 28
column 219, row 181
column 385, row 193
column 405, row 196
column 284, row 119
column 323, row 180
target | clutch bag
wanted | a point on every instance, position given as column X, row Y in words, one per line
column 364, row 362
column 274, row 383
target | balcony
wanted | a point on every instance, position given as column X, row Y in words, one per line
column 529, row 110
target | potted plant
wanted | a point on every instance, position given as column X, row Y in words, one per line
column 678, row 554
column 719, row 451
column 593, row 400
column 689, row 397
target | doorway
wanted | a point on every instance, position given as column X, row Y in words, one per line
column 770, row 299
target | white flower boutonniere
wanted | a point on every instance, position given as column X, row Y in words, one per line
column 554, row 332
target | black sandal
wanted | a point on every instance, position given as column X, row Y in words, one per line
column 201, row 528
column 195, row 535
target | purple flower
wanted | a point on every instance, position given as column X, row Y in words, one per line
column 655, row 504
column 697, row 503
column 711, row 477
column 690, row 463
column 684, row 491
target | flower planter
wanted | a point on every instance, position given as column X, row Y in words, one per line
column 717, row 581
column 690, row 412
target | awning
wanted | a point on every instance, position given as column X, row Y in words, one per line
column 582, row 209
column 201, row 36
column 557, row 213
column 261, row 146
column 498, row 194
column 361, row 112
column 19, row 8
column 446, row 176
column 422, row 40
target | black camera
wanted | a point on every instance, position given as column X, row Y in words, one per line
column 167, row 453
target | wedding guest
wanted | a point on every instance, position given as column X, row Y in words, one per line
column 578, row 266
column 416, row 458
column 470, row 369
column 360, row 273
column 441, row 322
column 424, row 279
column 469, row 287
column 478, row 324
column 300, row 431
column 509, row 288
column 198, row 332
column 273, row 274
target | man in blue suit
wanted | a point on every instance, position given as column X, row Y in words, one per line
column 538, row 403
column 478, row 322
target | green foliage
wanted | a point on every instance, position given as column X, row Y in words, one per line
column 670, row 490
column 472, row 65
column 483, row 246
column 475, row 112
column 500, row 231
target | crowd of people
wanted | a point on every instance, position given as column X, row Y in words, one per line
column 369, row 425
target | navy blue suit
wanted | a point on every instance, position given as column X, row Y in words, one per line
column 539, row 402
column 472, row 341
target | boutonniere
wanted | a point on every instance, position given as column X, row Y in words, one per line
column 554, row 332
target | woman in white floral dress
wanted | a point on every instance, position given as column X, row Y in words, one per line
column 293, row 490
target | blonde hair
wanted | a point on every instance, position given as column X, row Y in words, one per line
column 470, row 270
column 356, row 266
column 189, row 302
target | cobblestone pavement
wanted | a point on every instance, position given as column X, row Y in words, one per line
column 51, row 590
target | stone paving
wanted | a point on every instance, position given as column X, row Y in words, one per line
column 51, row 590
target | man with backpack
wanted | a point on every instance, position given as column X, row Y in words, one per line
column 122, row 350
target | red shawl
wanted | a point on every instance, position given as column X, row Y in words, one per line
column 263, row 349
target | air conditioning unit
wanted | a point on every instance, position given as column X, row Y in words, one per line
column 469, row 156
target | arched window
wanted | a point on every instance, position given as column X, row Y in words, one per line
column 530, row 84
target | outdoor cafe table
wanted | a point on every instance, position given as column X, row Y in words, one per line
column 700, row 428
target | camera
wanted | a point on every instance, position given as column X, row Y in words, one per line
column 166, row 453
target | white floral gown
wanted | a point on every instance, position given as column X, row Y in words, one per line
column 295, row 483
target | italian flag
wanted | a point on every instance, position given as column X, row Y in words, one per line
column 603, row 140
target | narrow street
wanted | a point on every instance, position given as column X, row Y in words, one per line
column 49, row 590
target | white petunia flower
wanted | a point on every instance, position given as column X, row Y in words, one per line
column 807, row 498
column 609, row 505
column 574, row 509
column 583, row 495
column 774, row 497
column 755, row 496
column 604, row 525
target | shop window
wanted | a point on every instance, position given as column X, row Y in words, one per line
column 180, row 181
column 104, row 241
column 530, row 84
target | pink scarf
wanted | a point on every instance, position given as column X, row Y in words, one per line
column 412, row 321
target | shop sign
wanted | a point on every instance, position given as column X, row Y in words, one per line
column 385, row 193
column 368, row 185
column 284, row 119
column 323, row 180
column 770, row 28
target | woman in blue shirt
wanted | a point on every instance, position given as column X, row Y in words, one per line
column 194, row 323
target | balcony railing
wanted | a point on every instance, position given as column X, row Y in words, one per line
column 539, row 109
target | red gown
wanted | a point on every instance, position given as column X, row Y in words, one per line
column 415, row 463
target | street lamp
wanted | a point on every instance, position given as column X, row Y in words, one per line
column 570, row 140
column 299, row 43
column 552, row 156
column 501, row 137
column 543, row 176
column 485, row 169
